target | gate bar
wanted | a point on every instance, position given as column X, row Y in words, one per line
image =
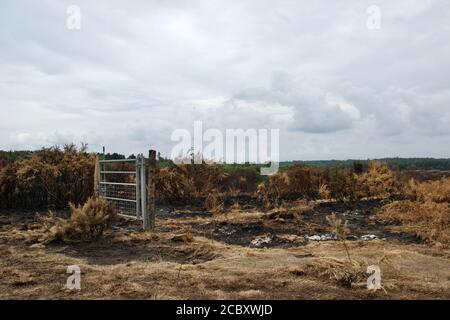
column 118, row 183
column 118, row 160
column 119, row 199
column 125, row 172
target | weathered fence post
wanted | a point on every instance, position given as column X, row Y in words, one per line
column 149, row 220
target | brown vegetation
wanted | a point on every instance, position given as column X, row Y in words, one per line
column 52, row 178
column 342, row 272
column 185, row 183
column 182, row 260
column 378, row 182
column 328, row 183
column 86, row 222
column 425, row 211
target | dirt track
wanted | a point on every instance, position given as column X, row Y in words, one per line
column 216, row 256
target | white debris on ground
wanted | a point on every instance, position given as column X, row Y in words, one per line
column 322, row 237
column 356, row 212
column 258, row 241
column 37, row 246
column 229, row 233
column 369, row 237
column 225, row 231
column 332, row 237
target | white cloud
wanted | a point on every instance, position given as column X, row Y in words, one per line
column 138, row 70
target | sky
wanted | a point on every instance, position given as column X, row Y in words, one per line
column 338, row 79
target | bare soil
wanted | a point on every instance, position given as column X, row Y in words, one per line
column 194, row 254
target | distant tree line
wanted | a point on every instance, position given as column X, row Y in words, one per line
column 399, row 164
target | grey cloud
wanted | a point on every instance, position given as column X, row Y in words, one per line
column 138, row 70
column 328, row 118
column 312, row 110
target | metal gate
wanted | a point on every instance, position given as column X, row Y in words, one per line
column 122, row 183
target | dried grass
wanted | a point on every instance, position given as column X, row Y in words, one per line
column 290, row 211
column 213, row 202
column 235, row 207
column 185, row 237
column 342, row 272
column 340, row 229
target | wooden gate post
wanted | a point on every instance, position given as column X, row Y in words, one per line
column 149, row 221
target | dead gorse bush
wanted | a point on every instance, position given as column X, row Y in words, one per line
column 378, row 182
column 193, row 183
column 93, row 217
column 428, row 220
column 302, row 182
column 86, row 222
column 435, row 191
column 51, row 178
column 185, row 182
column 324, row 191
column 264, row 197
column 425, row 211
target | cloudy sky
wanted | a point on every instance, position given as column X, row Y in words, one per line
column 137, row 70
